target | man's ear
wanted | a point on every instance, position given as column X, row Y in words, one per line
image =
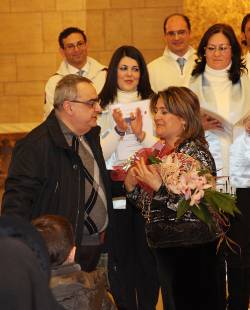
column 87, row 46
column 67, row 107
column 61, row 51
column 71, row 257
column 165, row 39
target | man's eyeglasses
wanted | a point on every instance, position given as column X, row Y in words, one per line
column 92, row 102
column 72, row 46
column 222, row 48
column 180, row 33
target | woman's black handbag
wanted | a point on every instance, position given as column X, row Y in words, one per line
column 163, row 230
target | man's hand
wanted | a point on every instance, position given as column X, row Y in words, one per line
column 209, row 123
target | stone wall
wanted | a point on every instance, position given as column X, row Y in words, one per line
column 29, row 49
column 113, row 23
column 29, row 30
column 205, row 13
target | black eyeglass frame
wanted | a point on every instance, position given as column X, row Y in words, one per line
column 91, row 102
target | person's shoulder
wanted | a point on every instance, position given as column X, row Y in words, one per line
column 96, row 64
column 66, row 289
column 78, row 288
column 53, row 79
column 95, row 130
column 244, row 79
column 93, row 134
column 194, row 148
column 157, row 62
column 61, row 71
column 34, row 136
column 32, row 145
column 52, row 82
column 192, row 51
column 69, row 275
column 199, row 151
column 192, row 56
column 92, row 280
column 195, row 82
column 97, row 73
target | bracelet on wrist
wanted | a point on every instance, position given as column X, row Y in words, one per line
column 120, row 133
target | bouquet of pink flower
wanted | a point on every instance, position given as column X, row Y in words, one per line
column 183, row 175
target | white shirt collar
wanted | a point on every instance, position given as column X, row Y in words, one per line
column 216, row 73
column 74, row 70
column 127, row 96
column 175, row 57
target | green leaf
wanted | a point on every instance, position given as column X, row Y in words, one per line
column 152, row 160
column 203, row 214
column 204, row 171
column 221, row 201
column 208, row 197
column 183, row 206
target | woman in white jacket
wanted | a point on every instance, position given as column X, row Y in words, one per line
column 221, row 83
column 136, row 285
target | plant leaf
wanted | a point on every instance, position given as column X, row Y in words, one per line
column 203, row 214
column 221, row 201
column 183, row 206
column 152, row 160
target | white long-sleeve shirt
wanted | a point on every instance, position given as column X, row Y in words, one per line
column 164, row 71
column 230, row 102
column 110, row 139
column 240, row 161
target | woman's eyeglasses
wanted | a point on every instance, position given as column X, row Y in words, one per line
column 222, row 48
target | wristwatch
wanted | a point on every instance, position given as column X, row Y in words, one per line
column 120, row 133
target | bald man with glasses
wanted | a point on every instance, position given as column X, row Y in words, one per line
column 174, row 67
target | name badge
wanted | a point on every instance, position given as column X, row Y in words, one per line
column 119, row 203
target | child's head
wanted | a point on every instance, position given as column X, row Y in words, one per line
column 59, row 238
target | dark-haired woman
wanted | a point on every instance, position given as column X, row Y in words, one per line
column 134, row 284
column 186, row 272
column 221, row 83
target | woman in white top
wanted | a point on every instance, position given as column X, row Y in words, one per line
column 136, row 284
column 221, row 83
